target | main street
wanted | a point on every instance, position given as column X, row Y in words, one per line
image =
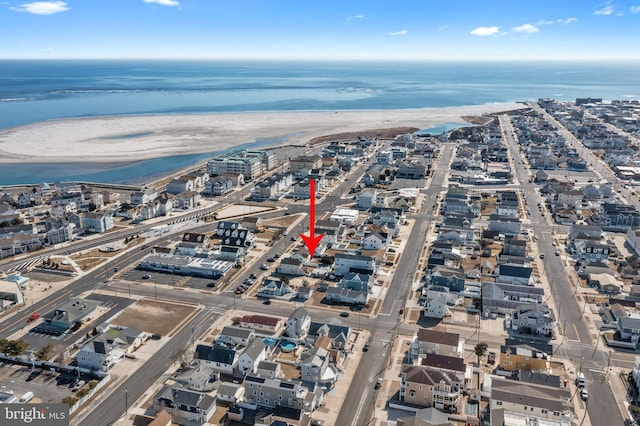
column 577, row 342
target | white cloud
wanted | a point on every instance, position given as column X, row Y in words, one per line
column 398, row 33
column 567, row 21
column 634, row 9
column 485, row 31
column 42, row 7
column 607, row 10
column 164, row 2
column 355, row 17
column 526, row 28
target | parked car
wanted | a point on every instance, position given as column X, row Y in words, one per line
column 156, row 336
column 271, row 260
column 365, row 348
column 557, row 253
column 211, row 284
column 491, row 358
column 344, row 314
column 541, row 255
column 267, row 302
column 584, row 394
column 146, row 276
column 77, row 386
column 33, row 375
column 253, row 276
column 264, row 267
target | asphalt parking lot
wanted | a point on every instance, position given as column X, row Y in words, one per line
column 46, row 387
column 163, row 278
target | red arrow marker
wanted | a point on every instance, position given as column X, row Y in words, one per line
column 312, row 240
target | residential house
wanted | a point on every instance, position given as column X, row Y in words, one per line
column 187, row 200
column 435, row 341
column 435, row 306
column 629, row 329
column 127, row 339
column 315, row 366
column 428, row 417
column 254, row 224
column 345, row 263
column 254, row 353
column 274, row 287
column 186, row 407
column 261, row 323
column 366, row 199
column 202, row 378
column 290, row 266
column 605, row 283
column 413, row 169
column 453, row 279
column 98, row 355
column 501, row 298
column 298, row 323
column 181, row 184
column 230, row 393
column 347, row 296
column 271, row 393
column 375, row 240
column 236, row 336
column 218, row 185
column 514, row 274
column 506, row 225
column 97, row 222
column 427, row 387
column 220, row 358
column 143, row 197
column 516, row 356
column 514, row 402
column 269, row 369
column 344, row 216
column 535, row 318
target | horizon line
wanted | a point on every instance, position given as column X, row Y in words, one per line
column 247, row 59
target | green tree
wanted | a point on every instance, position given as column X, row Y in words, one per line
column 70, row 400
column 480, row 350
column 45, row 351
column 92, row 207
column 15, row 347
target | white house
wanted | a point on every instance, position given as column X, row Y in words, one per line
column 98, row 355
column 375, row 240
column 220, row 358
column 290, row 266
column 298, row 323
column 254, row 353
column 345, row 263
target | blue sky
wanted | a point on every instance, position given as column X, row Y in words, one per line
column 328, row 29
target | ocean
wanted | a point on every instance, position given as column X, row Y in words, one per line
column 32, row 91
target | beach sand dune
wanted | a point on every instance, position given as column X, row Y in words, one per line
column 132, row 138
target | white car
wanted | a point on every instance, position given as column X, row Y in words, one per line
column 584, row 394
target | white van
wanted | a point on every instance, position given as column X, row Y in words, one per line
column 25, row 398
column 580, row 380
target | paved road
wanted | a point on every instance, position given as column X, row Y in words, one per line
column 111, row 406
column 358, row 406
column 578, row 343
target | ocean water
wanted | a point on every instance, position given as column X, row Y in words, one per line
column 32, row 91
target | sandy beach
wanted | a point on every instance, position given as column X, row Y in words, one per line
column 133, row 138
